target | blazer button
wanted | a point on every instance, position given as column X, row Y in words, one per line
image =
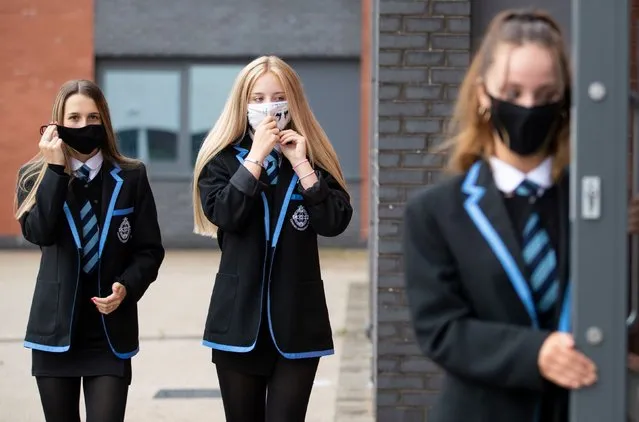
column 86, row 186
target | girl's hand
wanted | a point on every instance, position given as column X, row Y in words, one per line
column 112, row 302
column 293, row 146
column 51, row 146
column 564, row 365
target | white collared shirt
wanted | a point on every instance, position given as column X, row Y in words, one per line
column 508, row 178
column 94, row 163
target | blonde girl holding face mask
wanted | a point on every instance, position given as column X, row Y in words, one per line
column 267, row 181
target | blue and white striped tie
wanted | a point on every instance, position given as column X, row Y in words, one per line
column 272, row 166
column 539, row 256
column 90, row 229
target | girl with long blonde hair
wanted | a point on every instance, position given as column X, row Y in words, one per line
column 486, row 252
column 91, row 212
column 267, row 182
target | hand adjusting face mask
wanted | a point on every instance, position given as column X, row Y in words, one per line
column 279, row 110
column 82, row 139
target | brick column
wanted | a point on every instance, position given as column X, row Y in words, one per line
column 44, row 43
column 423, row 53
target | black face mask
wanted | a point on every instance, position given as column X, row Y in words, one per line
column 83, row 139
column 524, row 130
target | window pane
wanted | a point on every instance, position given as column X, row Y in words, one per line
column 146, row 102
column 209, row 88
column 162, row 145
column 128, row 142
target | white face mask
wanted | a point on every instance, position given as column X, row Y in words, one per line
column 279, row 110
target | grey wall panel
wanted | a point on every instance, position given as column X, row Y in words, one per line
column 330, row 28
column 332, row 89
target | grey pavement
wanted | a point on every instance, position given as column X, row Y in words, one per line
column 171, row 360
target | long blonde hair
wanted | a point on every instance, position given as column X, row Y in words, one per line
column 232, row 124
column 32, row 173
column 472, row 133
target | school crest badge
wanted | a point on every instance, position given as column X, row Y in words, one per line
column 300, row 218
column 124, row 231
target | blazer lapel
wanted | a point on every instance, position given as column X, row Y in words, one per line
column 492, row 204
column 71, row 211
column 286, row 183
column 111, row 186
column 563, row 254
column 283, row 179
column 485, row 206
column 564, row 230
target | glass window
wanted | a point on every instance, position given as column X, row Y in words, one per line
column 209, row 88
column 128, row 142
column 162, row 111
column 163, row 145
column 145, row 108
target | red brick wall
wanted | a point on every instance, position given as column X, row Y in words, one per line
column 44, row 43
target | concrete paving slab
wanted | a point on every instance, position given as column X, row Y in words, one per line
column 172, row 316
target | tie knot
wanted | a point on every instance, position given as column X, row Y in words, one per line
column 84, row 172
column 527, row 188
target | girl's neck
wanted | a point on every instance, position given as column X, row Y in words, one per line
column 84, row 157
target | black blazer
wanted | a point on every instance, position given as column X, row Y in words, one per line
column 296, row 312
column 130, row 252
column 470, row 301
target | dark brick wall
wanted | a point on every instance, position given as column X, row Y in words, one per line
column 423, row 53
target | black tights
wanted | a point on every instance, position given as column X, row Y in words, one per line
column 105, row 398
column 281, row 397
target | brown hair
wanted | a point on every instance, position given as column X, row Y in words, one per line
column 472, row 134
column 33, row 172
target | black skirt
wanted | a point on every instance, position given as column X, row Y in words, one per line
column 259, row 361
column 80, row 363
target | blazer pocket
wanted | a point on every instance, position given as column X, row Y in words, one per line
column 44, row 308
column 222, row 303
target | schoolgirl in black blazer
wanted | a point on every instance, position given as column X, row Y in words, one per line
column 270, row 181
column 92, row 213
column 486, row 251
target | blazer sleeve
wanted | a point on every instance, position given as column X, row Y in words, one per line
column 228, row 199
column 495, row 353
column 328, row 205
column 148, row 252
column 41, row 223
